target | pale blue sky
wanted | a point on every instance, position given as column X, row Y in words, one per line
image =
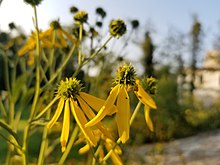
column 162, row 14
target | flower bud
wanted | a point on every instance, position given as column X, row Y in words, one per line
column 81, row 16
column 117, row 28
column 33, row 2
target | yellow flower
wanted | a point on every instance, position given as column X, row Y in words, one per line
column 125, row 81
column 79, row 103
column 46, row 40
column 105, row 145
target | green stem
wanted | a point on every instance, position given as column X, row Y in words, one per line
column 37, row 92
column 60, row 68
column 91, row 57
column 7, row 84
column 3, row 111
column 43, row 143
column 46, row 108
column 119, row 140
column 51, row 57
column 80, row 45
column 69, row 146
column 10, row 130
column 135, row 112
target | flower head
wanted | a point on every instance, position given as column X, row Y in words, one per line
column 81, row 16
column 117, row 28
column 105, row 144
column 33, row 2
column 126, row 80
column 46, row 40
column 71, row 98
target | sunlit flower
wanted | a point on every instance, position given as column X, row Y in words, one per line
column 125, row 81
column 79, row 103
column 105, row 145
column 46, row 40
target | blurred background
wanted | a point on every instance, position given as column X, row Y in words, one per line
column 177, row 42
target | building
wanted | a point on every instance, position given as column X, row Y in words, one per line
column 207, row 79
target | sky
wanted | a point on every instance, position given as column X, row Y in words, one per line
column 156, row 15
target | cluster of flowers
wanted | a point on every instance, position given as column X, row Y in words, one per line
column 87, row 110
column 83, row 105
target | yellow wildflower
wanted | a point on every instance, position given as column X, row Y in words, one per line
column 125, row 81
column 79, row 103
column 105, row 146
column 46, row 40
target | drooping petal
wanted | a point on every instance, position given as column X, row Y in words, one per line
column 95, row 102
column 84, row 149
column 105, row 108
column 66, row 126
column 61, row 38
column 147, row 117
column 114, row 156
column 81, row 121
column 144, row 97
column 123, row 115
column 57, row 114
column 90, row 114
column 73, row 40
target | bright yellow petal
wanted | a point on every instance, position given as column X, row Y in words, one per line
column 81, row 121
column 61, row 38
column 84, row 149
column 66, row 126
column 31, row 57
column 123, row 115
column 144, row 97
column 57, row 114
column 147, row 117
column 90, row 114
column 95, row 102
column 27, row 47
column 73, row 40
column 105, row 108
column 114, row 157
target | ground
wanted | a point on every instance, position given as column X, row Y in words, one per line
column 202, row 149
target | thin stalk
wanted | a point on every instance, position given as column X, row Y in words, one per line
column 51, row 57
column 37, row 91
column 60, row 68
column 80, row 45
column 46, row 108
column 135, row 112
column 69, row 146
column 43, row 143
column 6, row 74
column 119, row 140
column 3, row 111
column 91, row 57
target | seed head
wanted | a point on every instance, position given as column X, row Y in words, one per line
column 117, row 28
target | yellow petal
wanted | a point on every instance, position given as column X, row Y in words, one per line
column 95, row 102
column 147, row 117
column 66, row 126
column 106, row 107
column 90, row 114
column 31, row 57
column 84, row 149
column 61, row 38
column 144, row 97
column 29, row 46
column 57, row 113
column 114, row 156
column 73, row 40
column 123, row 115
column 81, row 121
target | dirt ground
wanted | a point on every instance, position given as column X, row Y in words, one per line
column 202, row 149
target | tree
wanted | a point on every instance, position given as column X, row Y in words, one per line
column 195, row 39
column 148, row 50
